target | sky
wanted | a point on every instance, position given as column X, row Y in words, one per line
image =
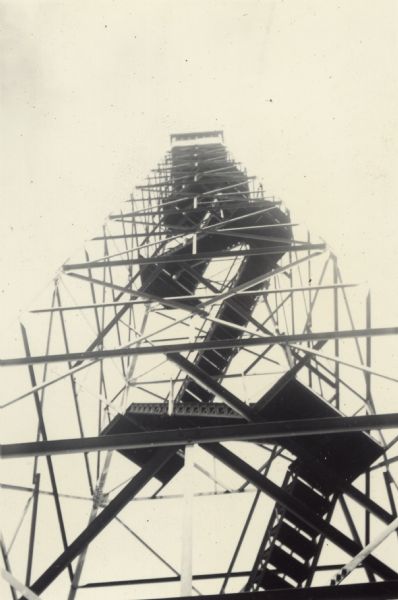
column 305, row 91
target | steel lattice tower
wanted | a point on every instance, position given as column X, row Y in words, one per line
column 194, row 409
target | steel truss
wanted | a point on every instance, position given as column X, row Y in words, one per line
column 200, row 318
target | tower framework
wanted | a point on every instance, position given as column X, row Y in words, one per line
column 198, row 406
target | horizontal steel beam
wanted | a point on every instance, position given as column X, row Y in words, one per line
column 200, row 256
column 153, row 580
column 381, row 590
column 195, row 135
column 207, row 345
column 166, row 234
column 175, row 578
column 169, row 182
column 169, row 208
column 270, row 431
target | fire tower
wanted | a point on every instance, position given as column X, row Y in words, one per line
column 194, row 409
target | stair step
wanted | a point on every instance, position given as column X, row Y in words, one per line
column 287, row 564
column 195, row 391
column 212, row 360
column 308, row 496
column 300, row 524
column 295, row 540
column 271, row 581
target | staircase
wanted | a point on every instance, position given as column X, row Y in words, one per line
column 197, row 173
column 290, row 547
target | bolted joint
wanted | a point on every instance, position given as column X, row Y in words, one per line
column 100, row 499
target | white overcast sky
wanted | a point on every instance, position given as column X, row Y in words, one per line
column 305, row 90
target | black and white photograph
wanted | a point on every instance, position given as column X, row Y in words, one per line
column 198, row 299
